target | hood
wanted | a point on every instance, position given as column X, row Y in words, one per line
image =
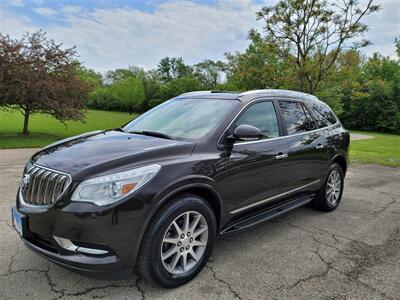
column 98, row 152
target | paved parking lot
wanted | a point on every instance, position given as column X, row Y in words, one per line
column 352, row 253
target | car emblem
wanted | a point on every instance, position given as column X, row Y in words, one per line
column 25, row 181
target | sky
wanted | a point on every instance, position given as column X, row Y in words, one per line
column 114, row 34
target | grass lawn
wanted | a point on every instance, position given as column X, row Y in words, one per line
column 384, row 149
column 45, row 129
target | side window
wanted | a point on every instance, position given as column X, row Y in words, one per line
column 323, row 114
column 310, row 119
column 263, row 116
column 295, row 118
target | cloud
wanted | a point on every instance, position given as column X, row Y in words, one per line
column 384, row 26
column 13, row 24
column 126, row 36
column 45, row 11
column 16, row 2
column 111, row 37
column 72, row 9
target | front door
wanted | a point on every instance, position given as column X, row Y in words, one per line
column 255, row 171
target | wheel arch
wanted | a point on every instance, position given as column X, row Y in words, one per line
column 203, row 187
column 342, row 161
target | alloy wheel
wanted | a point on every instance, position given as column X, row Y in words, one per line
column 184, row 242
column 333, row 187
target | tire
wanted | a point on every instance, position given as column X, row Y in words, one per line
column 329, row 201
column 161, row 238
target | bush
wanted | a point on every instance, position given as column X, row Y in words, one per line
column 127, row 95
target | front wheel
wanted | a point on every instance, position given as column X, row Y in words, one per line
column 178, row 242
column 329, row 196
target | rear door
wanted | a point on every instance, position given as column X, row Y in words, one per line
column 303, row 143
column 330, row 133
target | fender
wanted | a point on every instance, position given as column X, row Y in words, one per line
column 342, row 155
column 177, row 186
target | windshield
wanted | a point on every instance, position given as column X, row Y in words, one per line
column 182, row 118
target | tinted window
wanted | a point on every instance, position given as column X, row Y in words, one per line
column 310, row 119
column 263, row 116
column 323, row 114
column 295, row 118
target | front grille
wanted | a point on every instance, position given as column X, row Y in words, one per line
column 41, row 186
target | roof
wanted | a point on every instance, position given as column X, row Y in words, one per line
column 250, row 95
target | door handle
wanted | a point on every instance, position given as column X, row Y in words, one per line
column 320, row 146
column 281, row 156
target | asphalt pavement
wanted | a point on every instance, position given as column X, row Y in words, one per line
column 351, row 253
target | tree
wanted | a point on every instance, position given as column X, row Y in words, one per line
column 372, row 97
column 118, row 75
column 209, row 72
column 125, row 95
column 179, row 86
column 93, row 79
column 130, row 93
column 316, row 31
column 37, row 75
column 397, row 45
column 262, row 65
column 173, row 68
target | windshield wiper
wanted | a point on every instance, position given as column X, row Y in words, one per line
column 153, row 133
column 119, row 129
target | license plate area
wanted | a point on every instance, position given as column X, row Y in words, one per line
column 19, row 221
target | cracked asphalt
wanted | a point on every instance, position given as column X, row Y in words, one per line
column 352, row 253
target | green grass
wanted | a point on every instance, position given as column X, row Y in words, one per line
column 384, row 149
column 45, row 129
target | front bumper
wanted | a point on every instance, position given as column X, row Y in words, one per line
column 115, row 231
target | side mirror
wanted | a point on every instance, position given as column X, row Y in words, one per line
column 246, row 132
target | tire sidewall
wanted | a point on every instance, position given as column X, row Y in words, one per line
column 157, row 271
column 333, row 167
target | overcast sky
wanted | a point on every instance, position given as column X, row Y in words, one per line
column 111, row 34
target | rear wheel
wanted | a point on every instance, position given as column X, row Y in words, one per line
column 178, row 242
column 329, row 196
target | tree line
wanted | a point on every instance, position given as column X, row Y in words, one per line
column 305, row 45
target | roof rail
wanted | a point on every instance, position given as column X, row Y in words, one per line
column 195, row 93
column 278, row 92
column 207, row 92
column 223, row 91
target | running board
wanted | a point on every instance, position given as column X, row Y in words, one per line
column 267, row 214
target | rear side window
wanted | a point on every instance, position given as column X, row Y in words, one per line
column 312, row 124
column 263, row 116
column 295, row 118
column 323, row 114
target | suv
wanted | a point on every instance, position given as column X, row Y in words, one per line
column 154, row 194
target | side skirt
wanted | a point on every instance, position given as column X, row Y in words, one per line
column 266, row 215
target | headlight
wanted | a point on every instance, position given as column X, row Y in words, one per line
column 107, row 189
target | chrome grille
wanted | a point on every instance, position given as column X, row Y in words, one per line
column 41, row 186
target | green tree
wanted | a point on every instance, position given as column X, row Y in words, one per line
column 173, row 68
column 262, row 65
column 397, row 45
column 130, row 93
column 118, row 75
column 179, row 86
column 316, row 32
column 209, row 72
column 373, row 102
column 93, row 79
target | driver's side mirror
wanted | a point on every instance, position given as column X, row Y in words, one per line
column 246, row 132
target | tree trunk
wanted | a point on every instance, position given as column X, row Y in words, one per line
column 25, row 130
